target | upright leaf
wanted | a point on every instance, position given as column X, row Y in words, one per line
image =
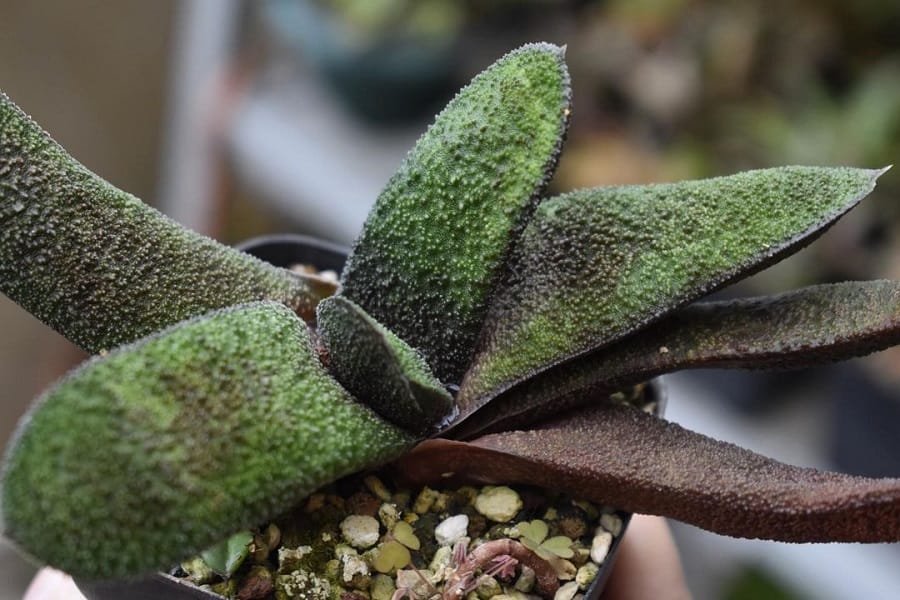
column 100, row 266
column 434, row 244
column 623, row 457
column 161, row 449
column 595, row 265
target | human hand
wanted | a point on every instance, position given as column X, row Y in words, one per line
column 50, row 584
column 647, row 564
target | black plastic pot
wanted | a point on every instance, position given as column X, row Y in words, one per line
column 286, row 250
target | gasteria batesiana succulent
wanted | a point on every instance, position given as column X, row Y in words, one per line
column 225, row 390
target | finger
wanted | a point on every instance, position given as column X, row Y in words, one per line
column 647, row 565
column 50, row 584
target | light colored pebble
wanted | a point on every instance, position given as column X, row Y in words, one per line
column 440, row 562
column 360, row 531
column 451, row 530
column 586, row 575
column 389, row 515
column 498, row 503
column 424, row 500
column 353, row 565
column 612, row 523
column 382, row 587
column 525, row 582
column 565, row 570
column 377, row 487
column 419, row 582
column 566, row 591
column 487, row 587
column 441, row 503
column 600, row 545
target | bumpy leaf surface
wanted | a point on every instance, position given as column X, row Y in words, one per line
column 621, row 456
column 595, row 265
column 434, row 244
column 100, row 266
column 379, row 368
column 796, row 329
column 160, row 449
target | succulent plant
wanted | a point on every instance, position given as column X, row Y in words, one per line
column 479, row 328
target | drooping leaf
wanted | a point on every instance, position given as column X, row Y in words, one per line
column 379, row 368
column 803, row 328
column 595, row 265
column 160, row 449
column 100, row 266
column 434, row 245
column 618, row 455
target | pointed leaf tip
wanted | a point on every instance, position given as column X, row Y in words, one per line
column 435, row 243
column 623, row 457
column 595, row 265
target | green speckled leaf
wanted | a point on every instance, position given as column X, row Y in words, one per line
column 434, row 245
column 620, row 456
column 379, row 368
column 595, row 265
column 803, row 328
column 100, row 266
column 160, row 449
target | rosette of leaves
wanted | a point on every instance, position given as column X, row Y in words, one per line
column 479, row 328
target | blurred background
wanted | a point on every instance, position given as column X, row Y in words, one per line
column 238, row 118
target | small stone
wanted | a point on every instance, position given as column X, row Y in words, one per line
column 451, row 530
column 586, row 575
column 301, row 584
column 377, row 487
column 498, row 503
column 382, row 587
column 360, row 531
column 600, row 545
column 612, row 523
column 418, row 582
column 525, row 582
column 566, row 591
column 389, row 515
column 440, row 562
column 551, row 514
column 441, row 503
column 256, row 585
column 424, row 500
column 198, row 571
column 487, row 587
column 355, row 571
column 291, row 559
column 565, row 570
column 572, row 526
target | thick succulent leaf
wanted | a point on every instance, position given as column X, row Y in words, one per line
column 100, row 266
column 160, row 449
column 803, row 328
column 620, row 456
column 379, row 368
column 434, row 245
column 595, row 265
